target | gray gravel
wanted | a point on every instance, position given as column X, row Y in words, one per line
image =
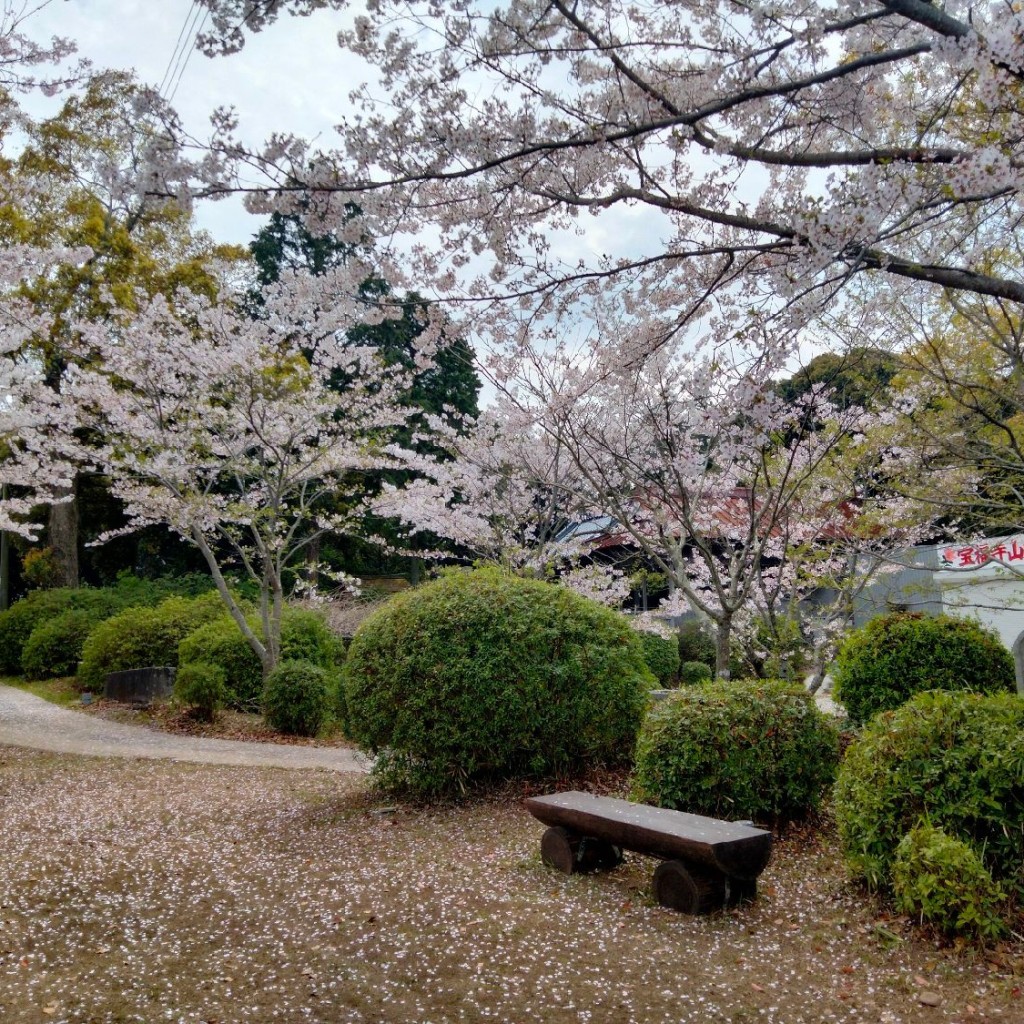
column 29, row 721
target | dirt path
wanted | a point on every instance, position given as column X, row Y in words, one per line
column 29, row 721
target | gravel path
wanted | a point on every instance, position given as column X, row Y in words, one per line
column 29, row 721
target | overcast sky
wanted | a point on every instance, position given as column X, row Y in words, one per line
column 290, row 78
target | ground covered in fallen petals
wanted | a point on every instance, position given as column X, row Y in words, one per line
column 151, row 892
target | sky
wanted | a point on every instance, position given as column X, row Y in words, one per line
column 292, row 77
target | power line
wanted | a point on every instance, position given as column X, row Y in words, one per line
column 188, row 56
column 192, row 15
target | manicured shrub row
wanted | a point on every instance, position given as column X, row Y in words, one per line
column 40, row 607
column 893, row 657
column 143, row 636
column 54, row 647
column 482, row 676
column 757, row 749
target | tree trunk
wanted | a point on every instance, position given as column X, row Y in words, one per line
column 723, row 636
column 5, row 571
column 62, row 530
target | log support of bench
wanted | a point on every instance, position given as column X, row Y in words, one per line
column 571, row 853
column 706, row 864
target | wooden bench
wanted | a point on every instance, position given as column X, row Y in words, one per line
column 706, row 863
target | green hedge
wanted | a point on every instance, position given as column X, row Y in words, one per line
column 692, row 673
column 952, row 760
column 305, row 636
column 483, row 676
column 200, row 687
column 140, row 637
column 40, row 606
column 757, row 749
column 661, row 655
column 884, row 663
column 941, row 881
column 54, row 647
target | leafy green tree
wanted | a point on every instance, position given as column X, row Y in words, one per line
column 91, row 154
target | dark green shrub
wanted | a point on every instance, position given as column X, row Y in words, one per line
column 305, row 636
column 696, row 644
column 692, row 673
column 297, row 698
column 221, row 643
column 941, row 881
column 140, row 637
column 661, row 656
column 200, row 687
column 954, row 760
column 481, row 676
column 883, row 664
column 756, row 749
column 18, row 622
column 55, row 646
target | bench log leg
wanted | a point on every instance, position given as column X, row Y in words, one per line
column 689, row 888
column 570, row 853
column 740, row 890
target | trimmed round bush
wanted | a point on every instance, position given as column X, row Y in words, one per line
column 955, row 760
column 482, row 676
column 54, row 647
column 941, row 881
column 140, row 637
column 305, row 636
column 692, row 673
column 661, row 656
column 757, row 749
column 297, row 698
column 200, row 686
column 884, row 663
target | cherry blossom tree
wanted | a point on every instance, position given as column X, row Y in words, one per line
column 741, row 155
column 235, row 432
column 693, row 458
column 35, row 464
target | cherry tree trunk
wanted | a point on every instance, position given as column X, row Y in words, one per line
column 62, row 529
column 723, row 637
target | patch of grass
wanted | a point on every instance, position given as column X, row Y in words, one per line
column 56, row 691
column 153, row 891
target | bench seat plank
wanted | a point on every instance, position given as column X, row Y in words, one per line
column 740, row 851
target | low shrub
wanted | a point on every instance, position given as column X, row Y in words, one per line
column 482, row 676
column 661, row 656
column 941, row 881
column 305, row 636
column 200, row 687
column 18, row 622
column 756, row 749
column 884, row 663
column 54, row 647
column 139, row 637
column 954, row 760
column 296, row 698
column 691, row 673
